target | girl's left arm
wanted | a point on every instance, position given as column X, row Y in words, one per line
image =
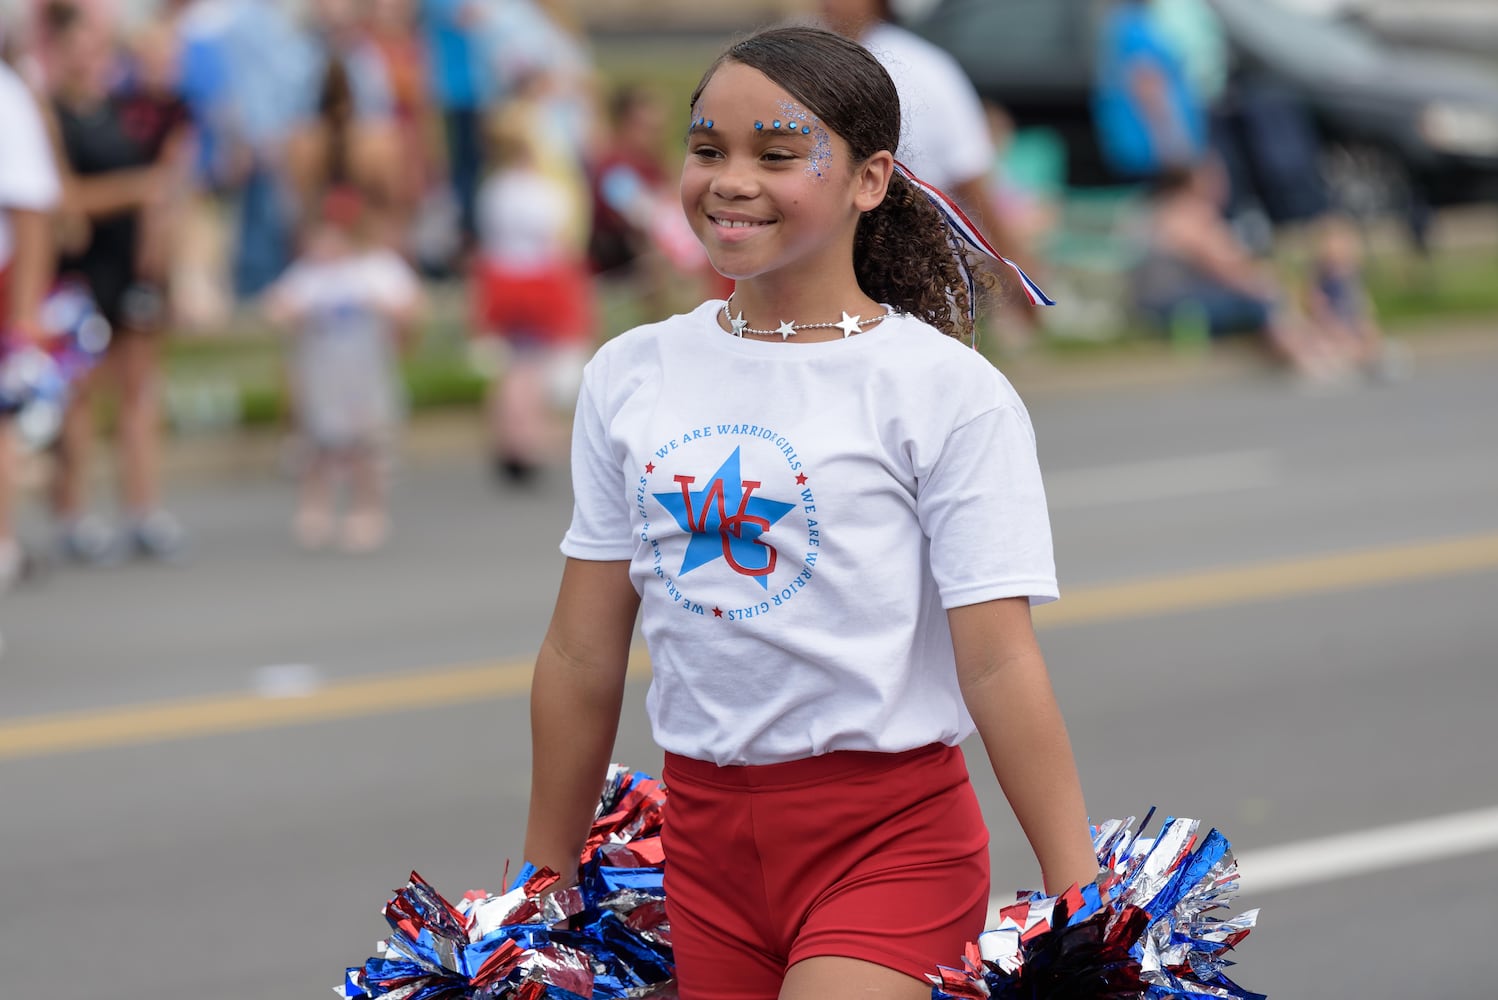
column 1008, row 693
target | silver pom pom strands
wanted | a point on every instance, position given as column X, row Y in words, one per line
column 786, row 330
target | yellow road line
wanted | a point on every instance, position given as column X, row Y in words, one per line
column 184, row 718
column 1283, row 578
column 157, row 722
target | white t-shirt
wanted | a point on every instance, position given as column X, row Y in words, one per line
column 524, row 219
column 344, row 367
column 28, row 177
column 945, row 138
column 798, row 517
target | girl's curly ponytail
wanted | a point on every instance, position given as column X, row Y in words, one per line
column 905, row 257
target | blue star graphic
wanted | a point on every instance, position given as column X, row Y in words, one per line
column 726, row 521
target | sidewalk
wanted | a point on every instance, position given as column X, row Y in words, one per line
column 456, row 434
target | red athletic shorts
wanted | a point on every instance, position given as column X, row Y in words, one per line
column 551, row 305
column 871, row 856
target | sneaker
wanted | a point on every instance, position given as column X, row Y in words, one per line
column 158, row 536
column 515, row 471
column 88, row 540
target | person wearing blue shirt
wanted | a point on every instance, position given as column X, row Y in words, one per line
column 461, row 87
column 1148, row 119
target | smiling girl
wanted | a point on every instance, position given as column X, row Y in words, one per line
column 828, row 512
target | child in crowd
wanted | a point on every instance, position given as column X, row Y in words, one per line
column 1339, row 302
column 829, row 508
column 353, row 305
column 533, row 303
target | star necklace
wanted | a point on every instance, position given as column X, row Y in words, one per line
column 786, row 330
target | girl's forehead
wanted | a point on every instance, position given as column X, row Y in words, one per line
column 736, row 88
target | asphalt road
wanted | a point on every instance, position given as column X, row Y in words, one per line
column 1278, row 615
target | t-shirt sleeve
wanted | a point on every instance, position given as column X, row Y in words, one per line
column 601, row 529
column 982, row 505
column 28, row 176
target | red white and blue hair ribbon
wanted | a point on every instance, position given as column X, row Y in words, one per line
column 962, row 228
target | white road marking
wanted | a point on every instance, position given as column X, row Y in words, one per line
column 1398, row 846
column 287, row 680
column 1326, row 859
column 1161, row 479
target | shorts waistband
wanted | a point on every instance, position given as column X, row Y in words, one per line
column 793, row 773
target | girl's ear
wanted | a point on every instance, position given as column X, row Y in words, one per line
column 873, row 181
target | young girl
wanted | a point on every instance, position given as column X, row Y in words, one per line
column 353, row 304
column 831, row 512
column 533, row 300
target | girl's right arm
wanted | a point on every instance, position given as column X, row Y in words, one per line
column 576, row 697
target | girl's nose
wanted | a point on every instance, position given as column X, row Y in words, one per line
column 735, row 179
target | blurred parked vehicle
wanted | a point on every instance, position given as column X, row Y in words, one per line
column 1464, row 25
column 1398, row 126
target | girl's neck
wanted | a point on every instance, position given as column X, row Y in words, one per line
column 769, row 300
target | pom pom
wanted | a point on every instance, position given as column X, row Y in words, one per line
column 604, row 937
column 35, row 378
column 1141, row 930
column 1144, row 929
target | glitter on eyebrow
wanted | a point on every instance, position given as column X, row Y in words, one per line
column 821, row 153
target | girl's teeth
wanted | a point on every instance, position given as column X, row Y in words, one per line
column 737, row 224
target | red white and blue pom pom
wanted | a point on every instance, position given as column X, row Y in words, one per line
column 1142, row 930
column 36, row 379
column 605, row 937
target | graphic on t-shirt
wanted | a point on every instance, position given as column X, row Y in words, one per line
column 717, row 532
column 748, row 532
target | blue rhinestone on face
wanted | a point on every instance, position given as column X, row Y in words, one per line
column 777, row 124
column 806, row 130
column 758, row 126
column 709, row 124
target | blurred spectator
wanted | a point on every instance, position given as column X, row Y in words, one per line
column 526, row 41
column 1149, row 119
column 462, row 88
column 29, row 190
column 123, row 159
column 404, row 61
column 629, row 184
column 533, row 302
column 248, row 76
column 944, row 132
column 1028, row 180
column 1195, row 275
column 347, row 134
column 1339, row 302
column 352, row 304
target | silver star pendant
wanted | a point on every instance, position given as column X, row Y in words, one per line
column 849, row 325
column 785, row 329
column 738, row 323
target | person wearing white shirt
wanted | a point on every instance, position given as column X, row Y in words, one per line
column 944, row 138
column 29, row 190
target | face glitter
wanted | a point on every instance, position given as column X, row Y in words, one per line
column 797, row 119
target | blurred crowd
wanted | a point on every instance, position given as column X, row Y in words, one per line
column 319, row 169
column 231, row 158
column 1220, row 162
